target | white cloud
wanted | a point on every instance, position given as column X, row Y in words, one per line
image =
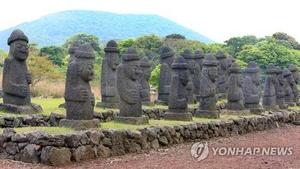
column 217, row 19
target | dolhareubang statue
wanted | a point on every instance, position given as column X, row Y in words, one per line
column 109, row 92
column 251, row 87
column 222, row 83
column 166, row 60
column 269, row 97
column 178, row 98
column 208, row 88
column 290, row 82
column 144, row 80
column 189, row 58
column 296, row 76
column 80, row 100
column 235, row 93
column 198, row 59
column 16, row 78
column 280, row 89
column 128, row 73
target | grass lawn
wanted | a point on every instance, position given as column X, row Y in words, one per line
column 50, row 105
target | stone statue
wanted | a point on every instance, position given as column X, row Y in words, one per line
column 290, row 82
column 296, row 76
column 222, row 85
column 198, row 59
column 166, row 59
column 79, row 98
column 178, row 98
column 109, row 93
column 144, row 80
column 235, row 93
column 280, row 89
column 230, row 61
column 71, row 51
column 207, row 96
column 269, row 97
column 128, row 73
column 188, row 56
column 16, row 78
column 251, row 86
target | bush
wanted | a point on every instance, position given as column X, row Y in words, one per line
column 155, row 76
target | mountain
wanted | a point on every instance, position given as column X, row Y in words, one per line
column 55, row 28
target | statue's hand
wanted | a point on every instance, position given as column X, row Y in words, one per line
column 83, row 94
column 28, row 78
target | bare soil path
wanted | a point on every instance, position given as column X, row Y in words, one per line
column 179, row 157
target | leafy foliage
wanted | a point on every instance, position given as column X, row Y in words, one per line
column 55, row 53
column 175, row 36
column 269, row 51
column 42, row 68
column 285, row 38
column 235, row 44
column 155, row 76
column 83, row 38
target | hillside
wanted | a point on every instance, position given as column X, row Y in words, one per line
column 55, row 28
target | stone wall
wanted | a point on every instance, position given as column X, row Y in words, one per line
column 54, row 118
column 38, row 147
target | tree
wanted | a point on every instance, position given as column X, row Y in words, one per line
column 148, row 45
column 236, row 44
column 154, row 79
column 55, row 53
column 42, row 68
column 83, row 38
column 285, row 38
column 175, row 36
column 269, row 51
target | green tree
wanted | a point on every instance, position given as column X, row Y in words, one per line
column 83, row 38
column 285, row 38
column 42, row 68
column 269, row 51
column 55, row 53
column 235, row 44
column 155, row 76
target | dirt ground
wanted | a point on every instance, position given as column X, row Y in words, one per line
column 179, row 157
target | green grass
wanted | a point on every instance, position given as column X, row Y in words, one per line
column 49, row 130
column 49, row 105
column 122, row 126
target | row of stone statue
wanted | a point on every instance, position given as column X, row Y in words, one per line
column 183, row 79
column 189, row 77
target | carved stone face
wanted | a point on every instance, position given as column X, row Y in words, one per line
column 183, row 76
column 19, row 50
column 86, row 70
column 112, row 61
column 212, row 73
column 132, row 70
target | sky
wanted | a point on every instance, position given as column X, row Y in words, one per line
column 217, row 19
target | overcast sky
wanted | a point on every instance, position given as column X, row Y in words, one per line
column 217, row 19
